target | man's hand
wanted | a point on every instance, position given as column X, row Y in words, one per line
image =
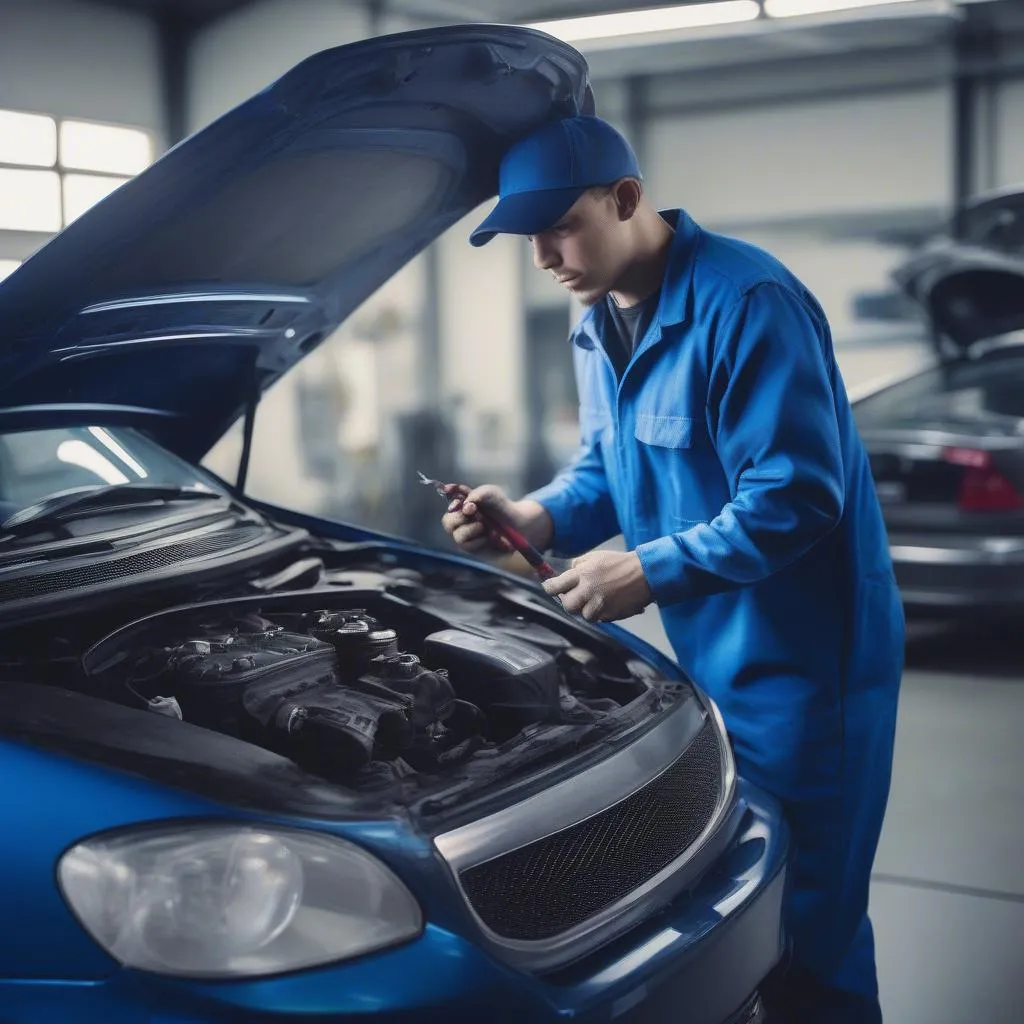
column 604, row 585
column 465, row 528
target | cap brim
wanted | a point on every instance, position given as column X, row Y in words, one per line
column 526, row 213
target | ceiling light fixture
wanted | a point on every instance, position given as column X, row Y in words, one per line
column 656, row 19
column 797, row 8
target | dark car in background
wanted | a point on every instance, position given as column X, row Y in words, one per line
column 947, row 444
column 259, row 766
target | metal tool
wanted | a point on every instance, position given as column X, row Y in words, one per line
column 498, row 525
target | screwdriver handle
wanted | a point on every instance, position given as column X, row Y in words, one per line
column 505, row 529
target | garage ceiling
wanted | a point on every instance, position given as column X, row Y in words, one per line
column 192, row 12
column 521, row 10
column 913, row 25
column 198, row 12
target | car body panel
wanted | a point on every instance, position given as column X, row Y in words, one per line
column 971, row 295
column 971, row 287
column 116, row 768
column 657, row 969
column 962, row 415
column 953, row 575
column 198, row 283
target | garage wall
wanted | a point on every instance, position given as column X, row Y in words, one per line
column 242, row 53
column 1009, row 139
column 239, row 54
column 483, row 359
column 77, row 59
column 800, row 178
column 805, row 159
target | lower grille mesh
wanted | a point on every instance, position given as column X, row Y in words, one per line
column 114, row 569
column 556, row 883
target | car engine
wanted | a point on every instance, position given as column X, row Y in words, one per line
column 376, row 675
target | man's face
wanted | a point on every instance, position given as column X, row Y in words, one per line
column 587, row 249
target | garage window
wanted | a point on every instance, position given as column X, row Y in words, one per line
column 53, row 169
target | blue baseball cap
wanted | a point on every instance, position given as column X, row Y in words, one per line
column 543, row 174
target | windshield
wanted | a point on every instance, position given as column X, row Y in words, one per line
column 988, row 391
column 35, row 464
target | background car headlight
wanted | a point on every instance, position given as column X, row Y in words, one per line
column 234, row 901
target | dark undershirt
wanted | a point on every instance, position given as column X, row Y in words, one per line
column 630, row 323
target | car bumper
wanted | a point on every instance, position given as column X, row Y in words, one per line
column 702, row 957
column 959, row 575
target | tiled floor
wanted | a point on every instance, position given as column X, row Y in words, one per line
column 948, row 896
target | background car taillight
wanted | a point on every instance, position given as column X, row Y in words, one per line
column 983, row 488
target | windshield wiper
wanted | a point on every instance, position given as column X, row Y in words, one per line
column 53, row 507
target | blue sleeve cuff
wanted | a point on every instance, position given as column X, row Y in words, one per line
column 560, row 507
column 663, row 566
column 579, row 525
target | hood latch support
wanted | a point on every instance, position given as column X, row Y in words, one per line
column 247, row 430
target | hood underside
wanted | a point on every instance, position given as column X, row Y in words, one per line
column 198, row 283
column 971, row 294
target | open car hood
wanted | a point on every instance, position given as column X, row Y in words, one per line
column 995, row 220
column 973, row 295
column 197, row 284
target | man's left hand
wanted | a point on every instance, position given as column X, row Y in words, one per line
column 603, row 585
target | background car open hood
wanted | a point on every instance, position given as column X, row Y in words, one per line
column 198, row 283
column 995, row 220
column 972, row 294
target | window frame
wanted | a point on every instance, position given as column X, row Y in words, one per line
column 17, row 244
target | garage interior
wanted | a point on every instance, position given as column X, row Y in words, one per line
column 838, row 135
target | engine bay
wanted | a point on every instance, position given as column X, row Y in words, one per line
column 380, row 673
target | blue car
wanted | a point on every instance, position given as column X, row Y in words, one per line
column 261, row 767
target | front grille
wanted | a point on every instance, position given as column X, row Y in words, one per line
column 556, row 883
column 114, row 569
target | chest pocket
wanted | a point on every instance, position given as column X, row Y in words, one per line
column 679, row 479
column 664, row 431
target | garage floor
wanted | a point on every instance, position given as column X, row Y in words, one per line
column 948, row 895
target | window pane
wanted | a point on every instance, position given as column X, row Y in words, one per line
column 27, row 139
column 29, row 200
column 38, row 463
column 84, row 190
column 100, row 147
column 8, row 267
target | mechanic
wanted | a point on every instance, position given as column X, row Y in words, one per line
column 718, row 440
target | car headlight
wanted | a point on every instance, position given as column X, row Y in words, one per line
column 233, row 901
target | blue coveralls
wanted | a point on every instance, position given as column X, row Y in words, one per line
column 728, row 458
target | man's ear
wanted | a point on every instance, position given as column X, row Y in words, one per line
column 627, row 194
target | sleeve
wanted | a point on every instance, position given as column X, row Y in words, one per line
column 579, row 501
column 774, row 425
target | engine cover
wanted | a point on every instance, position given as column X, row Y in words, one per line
column 511, row 682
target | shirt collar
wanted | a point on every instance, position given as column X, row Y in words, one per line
column 673, row 306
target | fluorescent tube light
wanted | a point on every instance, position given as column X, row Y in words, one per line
column 656, row 19
column 796, row 8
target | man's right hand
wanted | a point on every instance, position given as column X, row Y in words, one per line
column 463, row 526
